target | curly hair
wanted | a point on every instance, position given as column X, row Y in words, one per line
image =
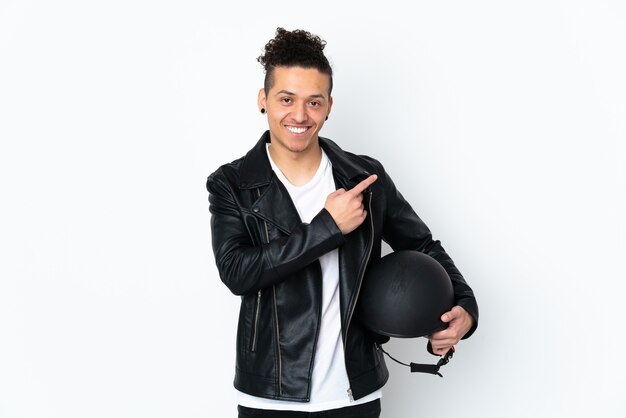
column 297, row 48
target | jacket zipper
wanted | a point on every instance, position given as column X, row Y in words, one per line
column 256, row 319
column 280, row 372
column 358, row 289
column 280, row 365
column 257, row 308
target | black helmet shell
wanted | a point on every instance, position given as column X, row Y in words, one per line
column 404, row 294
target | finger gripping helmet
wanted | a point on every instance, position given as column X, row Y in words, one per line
column 404, row 294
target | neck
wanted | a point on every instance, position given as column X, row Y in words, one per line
column 298, row 167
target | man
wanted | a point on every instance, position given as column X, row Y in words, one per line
column 295, row 223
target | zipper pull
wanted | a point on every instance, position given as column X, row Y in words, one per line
column 350, row 395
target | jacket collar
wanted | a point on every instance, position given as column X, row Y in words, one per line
column 256, row 169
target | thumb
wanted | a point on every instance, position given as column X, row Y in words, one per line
column 448, row 316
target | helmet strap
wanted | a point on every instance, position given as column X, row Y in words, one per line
column 426, row 368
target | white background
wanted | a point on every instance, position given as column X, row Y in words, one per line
column 503, row 123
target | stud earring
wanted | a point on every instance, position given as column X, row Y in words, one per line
column 263, row 110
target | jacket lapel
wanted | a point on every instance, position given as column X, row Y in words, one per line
column 273, row 203
column 276, row 207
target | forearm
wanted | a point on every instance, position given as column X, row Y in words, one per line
column 245, row 267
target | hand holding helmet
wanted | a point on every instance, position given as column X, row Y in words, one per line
column 459, row 323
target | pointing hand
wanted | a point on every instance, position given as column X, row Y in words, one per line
column 346, row 206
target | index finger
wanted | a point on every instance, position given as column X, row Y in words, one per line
column 364, row 184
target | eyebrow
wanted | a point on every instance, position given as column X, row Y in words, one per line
column 312, row 96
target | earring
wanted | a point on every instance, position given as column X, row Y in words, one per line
column 263, row 110
column 326, row 117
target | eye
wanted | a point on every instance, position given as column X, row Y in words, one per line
column 315, row 103
column 286, row 100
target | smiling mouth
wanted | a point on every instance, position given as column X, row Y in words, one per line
column 297, row 130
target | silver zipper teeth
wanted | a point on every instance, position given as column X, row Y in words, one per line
column 358, row 290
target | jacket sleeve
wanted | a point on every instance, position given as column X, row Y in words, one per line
column 246, row 264
column 403, row 229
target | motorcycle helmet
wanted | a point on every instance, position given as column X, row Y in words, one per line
column 404, row 295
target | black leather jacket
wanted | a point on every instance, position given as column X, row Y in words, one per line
column 266, row 254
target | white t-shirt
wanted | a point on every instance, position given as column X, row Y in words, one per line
column 329, row 379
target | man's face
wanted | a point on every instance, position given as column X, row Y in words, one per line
column 296, row 105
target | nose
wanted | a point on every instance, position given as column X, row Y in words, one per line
column 299, row 114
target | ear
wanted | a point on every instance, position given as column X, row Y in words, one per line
column 330, row 104
column 262, row 100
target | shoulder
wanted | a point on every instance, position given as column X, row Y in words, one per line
column 226, row 174
column 376, row 165
column 362, row 162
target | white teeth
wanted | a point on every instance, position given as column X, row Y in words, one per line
column 296, row 130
